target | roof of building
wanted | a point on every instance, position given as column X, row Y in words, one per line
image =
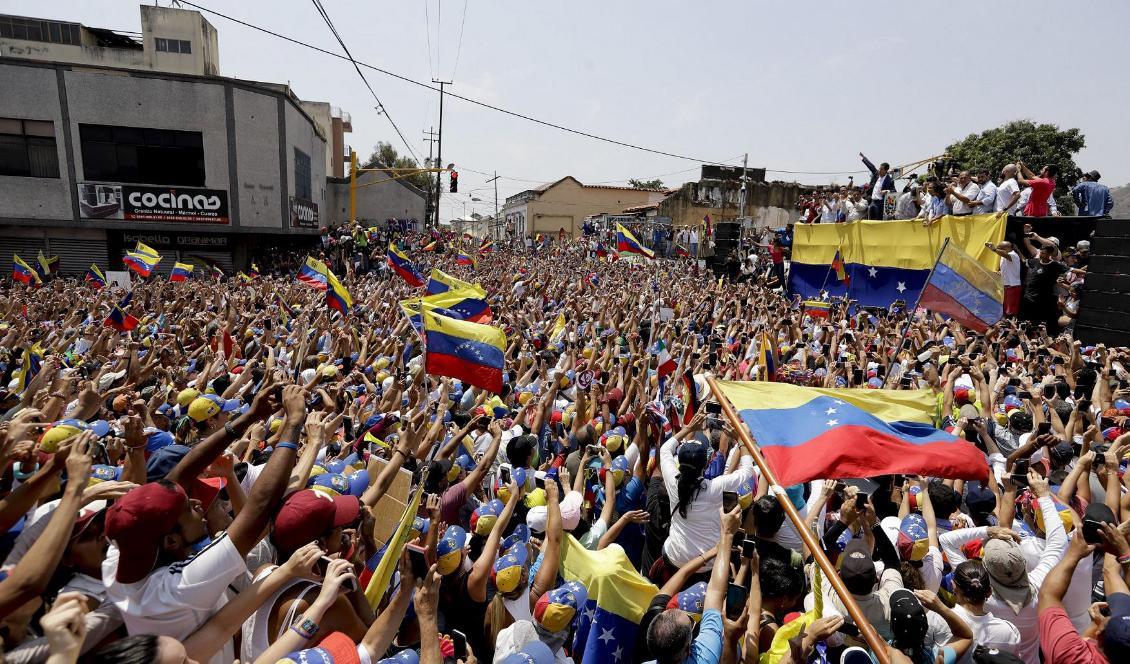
column 550, row 185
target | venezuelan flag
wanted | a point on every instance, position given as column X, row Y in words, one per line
column 95, row 278
column 461, row 304
column 429, row 247
column 817, row 308
column 119, row 319
column 285, row 310
column 885, row 261
column 441, row 282
column 486, row 247
column 24, row 273
column 691, row 400
column 181, row 271
column 618, row 596
column 143, row 248
column 336, row 295
column 838, row 268
column 964, row 290
column 47, row 265
column 381, row 575
column 463, row 258
column 625, row 241
column 141, row 262
column 681, row 251
column 767, row 359
column 254, row 271
column 29, row 367
column 217, row 273
column 809, row 433
column 401, row 265
column 314, row 273
column 471, row 352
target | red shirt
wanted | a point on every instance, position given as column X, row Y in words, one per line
column 1061, row 644
column 776, row 255
column 1038, row 203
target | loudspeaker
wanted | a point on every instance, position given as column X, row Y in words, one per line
column 730, row 230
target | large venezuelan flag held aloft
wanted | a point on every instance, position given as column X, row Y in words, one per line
column 314, row 274
column 884, row 261
column 460, row 304
column 402, row 265
column 618, row 597
column 441, row 282
column 809, row 433
column 471, row 352
column 625, row 241
column 964, row 290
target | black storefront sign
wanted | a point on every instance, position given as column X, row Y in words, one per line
column 303, row 213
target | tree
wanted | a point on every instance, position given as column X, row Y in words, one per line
column 1034, row 144
column 645, row 184
column 386, row 156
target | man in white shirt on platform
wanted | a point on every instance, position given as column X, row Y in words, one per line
column 987, row 198
column 963, row 195
column 1008, row 193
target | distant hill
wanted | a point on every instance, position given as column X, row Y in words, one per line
column 1121, row 201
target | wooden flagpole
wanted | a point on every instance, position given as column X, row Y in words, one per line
column 878, row 646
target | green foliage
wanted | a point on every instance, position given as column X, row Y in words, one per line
column 645, row 184
column 386, row 156
column 1034, row 144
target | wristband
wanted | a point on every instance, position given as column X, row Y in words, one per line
column 286, row 445
column 231, row 430
column 1124, row 560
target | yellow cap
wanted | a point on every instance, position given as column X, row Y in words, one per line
column 186, row 396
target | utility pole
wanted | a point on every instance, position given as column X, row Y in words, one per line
column 744, row 192
column 497, row 221
column 430, row 137
column 439, row 145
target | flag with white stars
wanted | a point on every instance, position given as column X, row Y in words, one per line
column 618, row 596
column 877, row 263
column 821, row 433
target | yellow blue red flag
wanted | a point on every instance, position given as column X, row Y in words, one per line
column 625, row 241
column 618, row 596
column 964, row 290
column 884, row 261
column 471, row 352
column 809, row 433
column 440, row 282
column 402, row 266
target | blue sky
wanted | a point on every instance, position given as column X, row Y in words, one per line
column 800, row 86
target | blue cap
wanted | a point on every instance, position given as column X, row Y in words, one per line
column 156, row 439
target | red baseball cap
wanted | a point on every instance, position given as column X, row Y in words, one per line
column 138, row 521
column 306, row 515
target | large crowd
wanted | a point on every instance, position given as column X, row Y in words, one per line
column 207, row 486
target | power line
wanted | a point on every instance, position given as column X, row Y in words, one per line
column 492, row 107
column 476, row 102
column 380, row 106
column 459, row 49
column 428, row 33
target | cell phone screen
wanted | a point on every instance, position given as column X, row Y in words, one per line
column 729, row 500
column 459, row 641
column 713, row 407
column 748, row 548
column 418, row 559
column 1043, row 428
column 735, row 600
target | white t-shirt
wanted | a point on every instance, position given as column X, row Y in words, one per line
column 175, row 600
column 1004, row 194
column 702, row 528
column 988, row 630
column 988, row 197
column 1010, row 269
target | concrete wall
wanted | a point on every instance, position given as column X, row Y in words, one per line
column 376, row 203
column 240, row 126
column 163, row 22
column 568, row 203
column 32, row 93
column 258, row 159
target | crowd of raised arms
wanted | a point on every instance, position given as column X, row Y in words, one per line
column 207, row 486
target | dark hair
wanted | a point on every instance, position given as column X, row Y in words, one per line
column 768, row 516
column 779, row 578
column 136, row 649
column 520, row 449
column 668, row 636
column 689, row 483
column 912, row 575
column 1053, row 170
column 585, row 436
column 885, row 165
column 944, row 499
column 972, row 579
